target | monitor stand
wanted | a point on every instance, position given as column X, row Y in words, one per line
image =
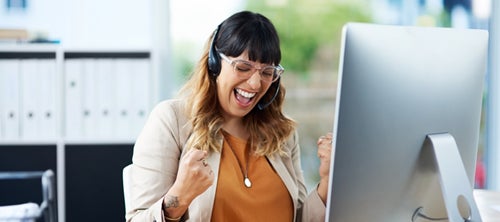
column 455, row 185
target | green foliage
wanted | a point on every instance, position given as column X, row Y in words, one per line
column 306, row 25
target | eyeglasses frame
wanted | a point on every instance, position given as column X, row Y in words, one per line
column 278, row 69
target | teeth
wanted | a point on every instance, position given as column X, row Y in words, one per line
column 245, row 94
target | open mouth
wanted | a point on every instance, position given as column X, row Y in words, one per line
column 244, row 98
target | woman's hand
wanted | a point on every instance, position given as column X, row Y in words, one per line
column 194, row 176
column 324, row 153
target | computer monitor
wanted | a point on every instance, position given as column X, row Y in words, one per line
column 406, row 123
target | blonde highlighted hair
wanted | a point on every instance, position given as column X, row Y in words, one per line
column 269, row 128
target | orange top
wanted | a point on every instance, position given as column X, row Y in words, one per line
column 266, row 200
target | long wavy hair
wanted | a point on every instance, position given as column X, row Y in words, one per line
column 269, row 128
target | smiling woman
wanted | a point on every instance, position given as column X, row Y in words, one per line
column 226, row 140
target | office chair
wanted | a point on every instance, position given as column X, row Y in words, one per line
column 32, row 211
column 126, row 185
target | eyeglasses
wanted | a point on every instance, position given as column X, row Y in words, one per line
column 245, row 69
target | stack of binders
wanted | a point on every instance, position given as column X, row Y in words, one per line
column 28, row 108
column 106, row 97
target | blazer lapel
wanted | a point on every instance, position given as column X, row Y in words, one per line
column 278, row 164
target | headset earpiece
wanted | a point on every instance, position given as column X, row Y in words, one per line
column 213, row 62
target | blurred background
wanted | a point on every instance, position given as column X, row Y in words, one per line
column 175, row 31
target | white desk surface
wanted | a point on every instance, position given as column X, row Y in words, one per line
column 488, row 203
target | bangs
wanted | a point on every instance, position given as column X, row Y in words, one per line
column 258, row 37
column 261, row 49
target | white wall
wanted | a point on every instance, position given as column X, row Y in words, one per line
column 86, row 23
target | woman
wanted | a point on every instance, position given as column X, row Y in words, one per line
column 224, row 151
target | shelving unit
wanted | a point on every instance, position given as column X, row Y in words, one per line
column 99, row 101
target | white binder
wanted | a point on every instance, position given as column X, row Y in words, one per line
column 9, row 98
column 2, row 125
column 140, row 95
column 73, row 86
column 89, row 99
column 123, row 94
column 105, row 99
column 30, row 99
column 48, row 110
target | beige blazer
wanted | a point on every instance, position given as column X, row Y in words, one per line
column 155, row 161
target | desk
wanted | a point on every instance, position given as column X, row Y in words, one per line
column 488, row 203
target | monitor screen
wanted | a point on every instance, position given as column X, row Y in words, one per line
column 406, row 123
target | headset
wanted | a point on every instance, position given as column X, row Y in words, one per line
column 214, row 68
column 214, row 65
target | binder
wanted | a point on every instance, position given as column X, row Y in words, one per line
column 123, row 94
column 2, row 125
column 4, row 70
column 140, row 95
column 105, row 101
column 48, row 110
column 30, row 92
column 73, row 86
column 89, row 99
column 9, row 98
